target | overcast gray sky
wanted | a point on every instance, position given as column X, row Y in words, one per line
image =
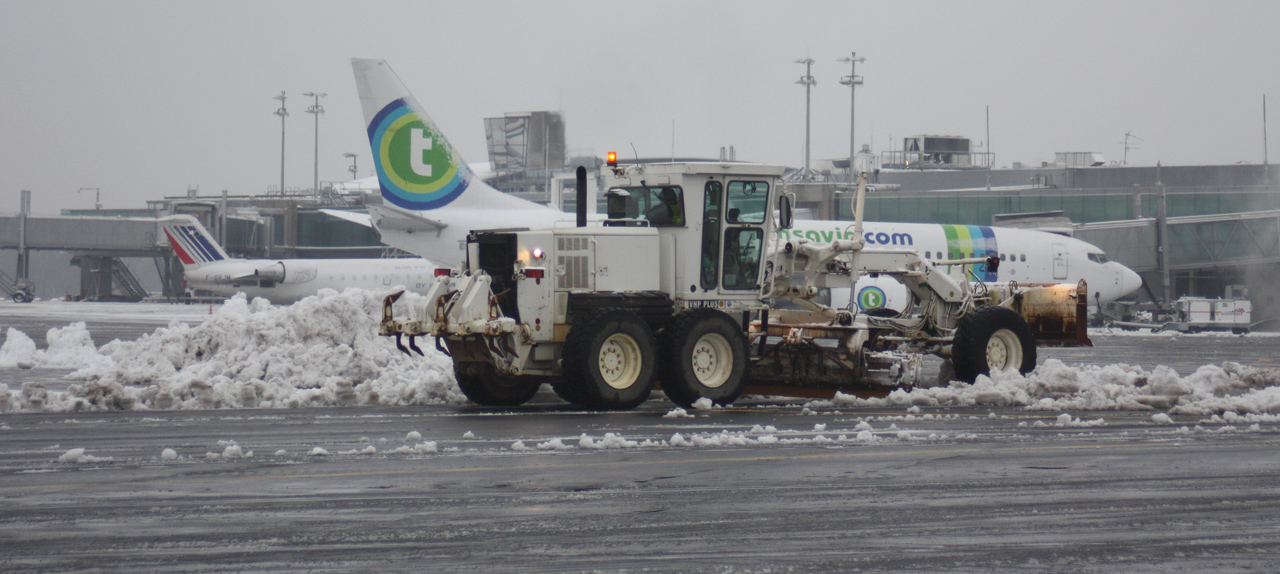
column 143, row 99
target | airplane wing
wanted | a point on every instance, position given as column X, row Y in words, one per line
column 388, row 219
column 400, row 220
column 352, row 216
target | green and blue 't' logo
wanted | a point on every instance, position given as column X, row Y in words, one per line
column 417, row 168
column 871, row 297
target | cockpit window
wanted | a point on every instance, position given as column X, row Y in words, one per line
column 1098, row 257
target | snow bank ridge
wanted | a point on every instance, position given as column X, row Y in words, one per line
column 1054, row 386
column 321, row 351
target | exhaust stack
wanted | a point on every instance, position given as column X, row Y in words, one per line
column 582, row 196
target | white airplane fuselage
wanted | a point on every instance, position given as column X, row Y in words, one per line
column 206, row 266
column 305, row 277
column 1028, row 256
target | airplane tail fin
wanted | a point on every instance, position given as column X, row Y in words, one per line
column 418, row 169
column 191, row 242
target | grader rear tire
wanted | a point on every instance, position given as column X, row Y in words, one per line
column 705, row 357
column 486, row 388
column 569, row 392
column 992, row 338
column 609, row 361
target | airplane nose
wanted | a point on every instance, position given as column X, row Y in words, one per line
column 1129, row 281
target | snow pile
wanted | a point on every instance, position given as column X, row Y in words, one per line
column 554, row 444
column 1066, row 420
column 77, row 455
column 321, row 351
column 1055, row 386
column 69, row 347
column 18, row 350
column 677, row 413
column 611, row 440
column 704, row 404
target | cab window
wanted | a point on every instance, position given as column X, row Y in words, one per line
column 711, row 235
column 661, row 205
column 742, row 247
column 747, row 202
column 1098, row 257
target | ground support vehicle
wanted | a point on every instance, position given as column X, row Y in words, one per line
column 1196, row 314
column 688, row 286
column 21, row 290
column 1234, row 313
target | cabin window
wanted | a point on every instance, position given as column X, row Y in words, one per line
column 742, row 247
column 660, row 205
column 711, row 235
column 666, row 206
column 747, row 202
column 1024, row 257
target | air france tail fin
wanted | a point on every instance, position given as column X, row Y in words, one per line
column 191, row 242
column 418, row 169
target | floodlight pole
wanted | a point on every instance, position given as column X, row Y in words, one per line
column 808, row 82
column 315, row 110
column 97, row 196
column 283, row 113
column 353, row 169
column 853, row 80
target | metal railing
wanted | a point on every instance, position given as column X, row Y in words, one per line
column 936, row 160
column 126, row 280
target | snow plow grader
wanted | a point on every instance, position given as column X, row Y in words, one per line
column 687, row 286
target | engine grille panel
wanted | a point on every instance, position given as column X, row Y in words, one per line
column 573, row 263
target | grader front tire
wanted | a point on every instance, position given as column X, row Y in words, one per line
column 609, row 361
column 992, row 338
column 484, row 387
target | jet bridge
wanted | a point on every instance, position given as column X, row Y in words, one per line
column 98, row 244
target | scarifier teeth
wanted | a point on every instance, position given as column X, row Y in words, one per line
column 414, row 346
column 400, row 345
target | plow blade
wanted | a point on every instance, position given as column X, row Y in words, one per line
column 1057, row 313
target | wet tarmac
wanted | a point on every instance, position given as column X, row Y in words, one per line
column 767, row 486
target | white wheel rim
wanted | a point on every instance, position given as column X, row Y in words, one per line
column 712, row 360
column 619, row 361
column 1004, row 351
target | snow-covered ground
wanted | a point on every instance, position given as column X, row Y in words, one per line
column 324, row 351
column 70, row 312
column 1053, row 386
column 1116, row 332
